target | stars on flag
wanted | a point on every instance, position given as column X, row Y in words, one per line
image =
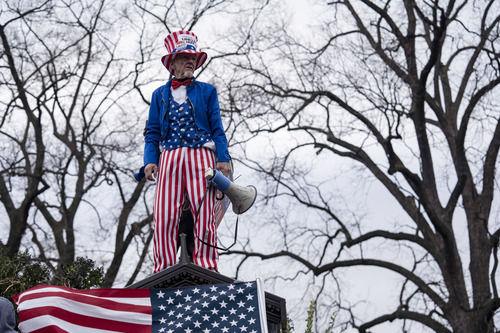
column 208, row 309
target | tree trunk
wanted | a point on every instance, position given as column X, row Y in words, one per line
column 18, row 223
column 471, row 322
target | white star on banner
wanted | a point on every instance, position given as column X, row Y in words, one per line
column 214, row 309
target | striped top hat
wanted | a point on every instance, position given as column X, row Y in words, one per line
column 182, row 41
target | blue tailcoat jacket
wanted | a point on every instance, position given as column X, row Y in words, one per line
column 205, row 104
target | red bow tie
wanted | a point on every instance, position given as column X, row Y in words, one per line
column 177, row 83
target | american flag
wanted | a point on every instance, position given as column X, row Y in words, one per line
column 225, row 308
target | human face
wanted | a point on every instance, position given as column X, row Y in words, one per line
column 183, row 65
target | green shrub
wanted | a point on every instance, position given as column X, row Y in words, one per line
column 80, row 274
column 22, row 271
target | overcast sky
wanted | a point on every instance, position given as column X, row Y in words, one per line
column 373, row 290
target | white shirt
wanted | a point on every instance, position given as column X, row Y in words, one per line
column 180, row 94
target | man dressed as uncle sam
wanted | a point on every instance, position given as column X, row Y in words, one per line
column 183, row 137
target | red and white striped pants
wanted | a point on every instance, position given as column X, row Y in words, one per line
column 182, row 173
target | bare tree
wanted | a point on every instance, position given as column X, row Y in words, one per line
column 18, row 161
column 73, row 81
column 407, row 90
column 65, row 133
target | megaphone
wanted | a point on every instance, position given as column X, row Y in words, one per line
column 241, row 197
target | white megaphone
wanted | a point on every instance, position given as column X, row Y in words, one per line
column 241, row 197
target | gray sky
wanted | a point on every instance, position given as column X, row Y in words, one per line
column 373, row 290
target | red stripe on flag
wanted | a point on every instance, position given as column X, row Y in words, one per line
column 83, row 320
column 97, row 301
column 50, row 329
column 105, row 292
column 56, row 309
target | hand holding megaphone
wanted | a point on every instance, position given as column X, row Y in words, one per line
column 241, row 197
